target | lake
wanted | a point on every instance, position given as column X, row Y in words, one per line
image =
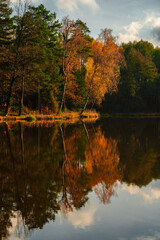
column 87, row 180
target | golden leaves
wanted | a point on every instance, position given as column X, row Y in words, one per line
column 106, row 60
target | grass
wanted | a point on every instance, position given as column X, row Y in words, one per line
column 51, row 117
column 90, row 114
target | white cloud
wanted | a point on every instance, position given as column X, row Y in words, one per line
column 149, row 194
column 72, row 5
column 82, row 218
column 133, row 31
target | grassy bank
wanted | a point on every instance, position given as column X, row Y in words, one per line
column 51, row 117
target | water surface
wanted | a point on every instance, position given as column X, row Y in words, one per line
column 86, row 181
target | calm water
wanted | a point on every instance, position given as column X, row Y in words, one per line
column 80, row 181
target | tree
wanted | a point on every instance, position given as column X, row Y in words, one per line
column 34, row 52
column 146, row 48
column 104, row 68
column 138, row 86
column 18, row 53
column 6, row 23
column 73, row 42
column 47, row 48
column 138, row 77
column 6, row 37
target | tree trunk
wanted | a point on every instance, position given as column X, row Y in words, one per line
column 64, row 74
column 89, row 92
column 9, row 97
column 93, row 103
column 64, row 90
column 22, row 96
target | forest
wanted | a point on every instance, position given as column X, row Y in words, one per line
column 50, row 66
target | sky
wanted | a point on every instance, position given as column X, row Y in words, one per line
column 129, row 19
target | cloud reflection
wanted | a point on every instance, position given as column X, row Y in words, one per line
column 15, row 231
column 149, row 194
column 155, row 236
column 82, row 218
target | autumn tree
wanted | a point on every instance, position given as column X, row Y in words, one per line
column 73, row 42
column 103, row 68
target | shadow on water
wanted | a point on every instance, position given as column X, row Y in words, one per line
column 49, row 168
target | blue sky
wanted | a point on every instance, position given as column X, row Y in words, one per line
column 129, row 19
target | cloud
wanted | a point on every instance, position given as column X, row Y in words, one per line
column 131, row 32
column 82, row 218
column 153, row 236
column 148, row 194
column 156, row 33
column 72, row 5
column 136, row 29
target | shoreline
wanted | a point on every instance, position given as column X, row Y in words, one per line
column 73, row 116
column 33, row 117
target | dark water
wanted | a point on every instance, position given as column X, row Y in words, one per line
column 80, row 181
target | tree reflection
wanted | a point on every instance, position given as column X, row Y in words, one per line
column 75, row 178
column 44, row 169
column 102, row 162
column 28, row 177
column 139, row 148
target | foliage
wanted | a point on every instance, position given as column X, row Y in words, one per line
column 49, row 66
column 138, row 89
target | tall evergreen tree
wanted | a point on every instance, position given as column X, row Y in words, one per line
column 6, row 23
column 6, row 37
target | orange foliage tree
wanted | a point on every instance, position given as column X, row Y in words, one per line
column 73, row 41
column 103, row 68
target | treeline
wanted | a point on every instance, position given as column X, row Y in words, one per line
column 139, row 85
column 47, row 65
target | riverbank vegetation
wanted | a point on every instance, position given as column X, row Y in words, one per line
column 64, row 116
column 50, row 67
